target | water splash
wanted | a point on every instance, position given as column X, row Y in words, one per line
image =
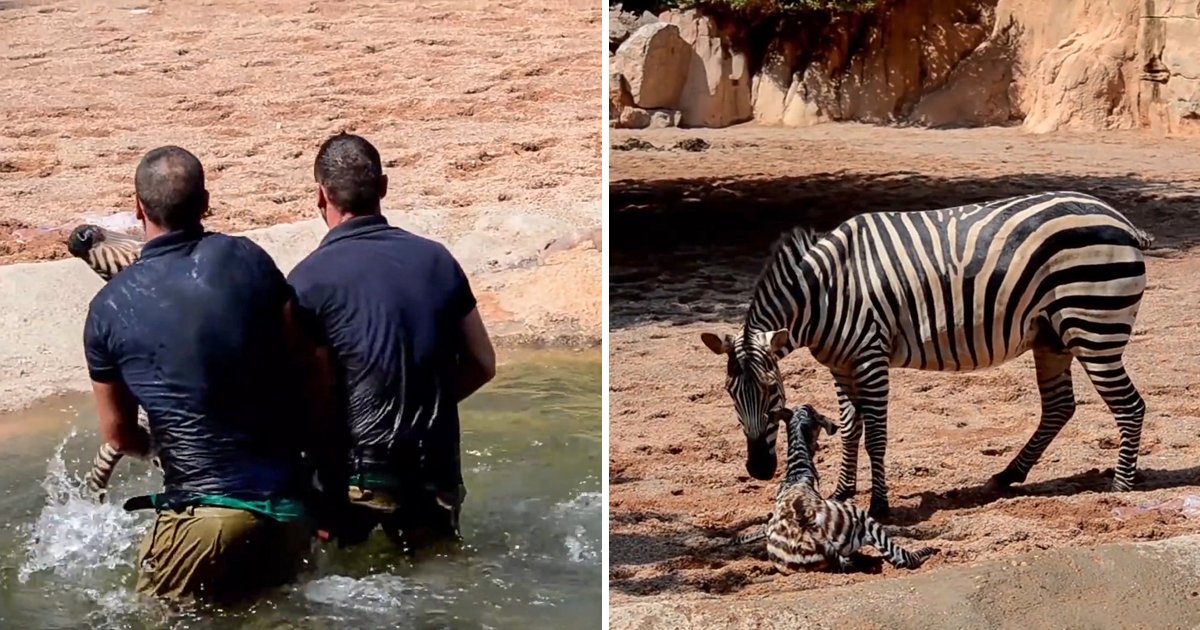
column 381, row 593
column 576, row 515
column 73, row 538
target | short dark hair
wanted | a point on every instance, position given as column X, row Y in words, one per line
column 350, row 170
column 170, row 185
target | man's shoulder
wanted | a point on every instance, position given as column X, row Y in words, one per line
column 239, row 245
column 114, row 296
column 423, row 246
column 239, row 251
column 324, row 260
column 309, row 268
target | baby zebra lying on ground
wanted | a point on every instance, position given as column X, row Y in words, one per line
column 810, row 533
column 107, row 253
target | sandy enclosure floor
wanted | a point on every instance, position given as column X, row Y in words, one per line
column 689, row 232
column 471, row 103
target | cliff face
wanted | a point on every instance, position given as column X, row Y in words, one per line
column 1068, row 64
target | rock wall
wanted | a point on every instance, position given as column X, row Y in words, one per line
column 1067, row 64
column 1169, row 56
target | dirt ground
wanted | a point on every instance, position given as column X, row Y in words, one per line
column 472, row 104
column 689, row 232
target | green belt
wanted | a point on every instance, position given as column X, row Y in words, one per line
column 377, row 481
column 282, row 510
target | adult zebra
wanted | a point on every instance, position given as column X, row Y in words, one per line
column 952, row 289
column 107, row 253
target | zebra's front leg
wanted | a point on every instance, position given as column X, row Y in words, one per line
column 851, row 432
column 870, row 403
column 1058, row 405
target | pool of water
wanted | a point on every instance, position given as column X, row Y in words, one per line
column 532, row 456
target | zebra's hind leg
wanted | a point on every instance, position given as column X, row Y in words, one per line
column 1053, row 364
column 892, row 552
column 1113, row 384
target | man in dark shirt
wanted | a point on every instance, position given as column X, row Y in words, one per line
column 401, row 329
column 199, row 332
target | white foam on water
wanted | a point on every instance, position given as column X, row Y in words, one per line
column 74, row 538
column 381, row 593
column 584, row 509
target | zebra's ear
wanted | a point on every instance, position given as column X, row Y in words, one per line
column 718, row 345
column 779, row 339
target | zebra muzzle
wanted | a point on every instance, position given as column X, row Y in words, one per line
column 760, row 460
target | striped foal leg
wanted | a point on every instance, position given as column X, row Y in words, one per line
column 851, row 432
column 870, row 401
column 1053, row 366
column 1113, row 384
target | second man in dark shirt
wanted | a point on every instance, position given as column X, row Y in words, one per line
column 402, row 335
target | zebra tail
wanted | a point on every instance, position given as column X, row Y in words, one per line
column 1144, row 239
column 103, row 466
column 896, row 555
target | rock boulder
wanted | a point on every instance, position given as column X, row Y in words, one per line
column 717, row 90
column 654, row 61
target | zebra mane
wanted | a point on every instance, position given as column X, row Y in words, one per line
column 795, row 241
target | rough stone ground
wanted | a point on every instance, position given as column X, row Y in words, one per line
column 689, row 232
column 1148, row 585
column 488, row 117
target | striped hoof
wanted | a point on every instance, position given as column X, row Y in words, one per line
column 921, row 555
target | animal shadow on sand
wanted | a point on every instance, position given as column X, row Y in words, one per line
column 694, row 558
column 1093, row 480
column 688, row 250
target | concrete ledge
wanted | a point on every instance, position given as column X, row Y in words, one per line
column 1126, row 585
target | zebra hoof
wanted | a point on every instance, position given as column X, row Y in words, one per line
column 879, row 510
column 1121, row 485
column 1000, row 485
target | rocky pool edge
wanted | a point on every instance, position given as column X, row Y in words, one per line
column 538, row 286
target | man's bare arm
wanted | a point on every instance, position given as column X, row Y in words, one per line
column 117, row 409
column 477, row 365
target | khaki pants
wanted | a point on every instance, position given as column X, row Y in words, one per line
column 412, row 522
column 219, row 553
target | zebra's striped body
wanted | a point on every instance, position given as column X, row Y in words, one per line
column 107, row 253
column 810, row 533
column 953, row 289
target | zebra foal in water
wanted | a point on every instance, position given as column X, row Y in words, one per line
column 107, row 253
column 952, row 289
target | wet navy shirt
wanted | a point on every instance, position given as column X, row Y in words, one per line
column 390, row 305
column 195, row 330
